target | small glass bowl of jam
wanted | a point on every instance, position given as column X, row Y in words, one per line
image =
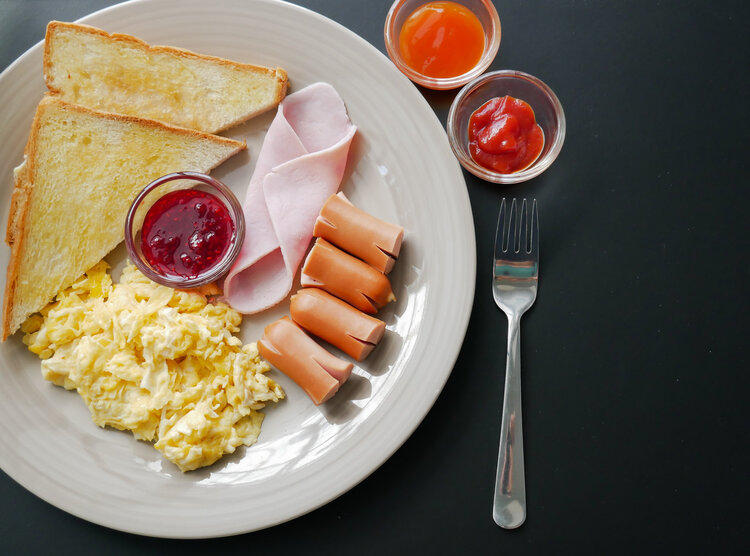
column 442, row 44
column 547, row 111
column 184, row 230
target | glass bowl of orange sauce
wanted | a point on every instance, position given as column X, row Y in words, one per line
column 442, row 44
column 493, row 112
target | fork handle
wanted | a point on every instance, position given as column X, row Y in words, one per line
column 509, row 509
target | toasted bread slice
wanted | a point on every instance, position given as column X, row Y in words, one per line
column 82, row 170
column 123, row 74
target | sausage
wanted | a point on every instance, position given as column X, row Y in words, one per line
column 346, row 277
column 361, row 234
column 286, row 346
column 336, row 322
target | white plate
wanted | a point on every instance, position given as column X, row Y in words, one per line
column 400, row 168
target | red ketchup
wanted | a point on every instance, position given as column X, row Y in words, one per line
column 186, row 232
column 504, row 135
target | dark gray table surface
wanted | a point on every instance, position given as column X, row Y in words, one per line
column 635, row 357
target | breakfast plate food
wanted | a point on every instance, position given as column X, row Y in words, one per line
column 400, row 169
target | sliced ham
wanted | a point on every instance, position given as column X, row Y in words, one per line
column 286, row 346
column 300, row 165
column 336, row 322
column 346, row 277
column 359, row 233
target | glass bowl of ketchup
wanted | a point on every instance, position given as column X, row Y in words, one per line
column 506, row 127
column 184, row 230
column 442, row 44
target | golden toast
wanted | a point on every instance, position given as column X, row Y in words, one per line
column 120, row 73
column 82, row 170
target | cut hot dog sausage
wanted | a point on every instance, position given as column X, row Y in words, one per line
column 357, row 232
column 286, row 346
column 346, row 277
column 336, row 322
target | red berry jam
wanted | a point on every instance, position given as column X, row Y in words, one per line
column 186, row 232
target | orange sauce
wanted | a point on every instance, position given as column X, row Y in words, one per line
column 442, row 39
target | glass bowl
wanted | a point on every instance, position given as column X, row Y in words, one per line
column 156, row 190
column 485, row 12
column 547, row 109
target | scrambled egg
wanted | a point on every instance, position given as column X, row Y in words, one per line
column 159, row 362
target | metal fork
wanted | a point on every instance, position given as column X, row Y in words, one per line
column 514, row 284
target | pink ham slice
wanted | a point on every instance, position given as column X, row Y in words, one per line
column 300, row 165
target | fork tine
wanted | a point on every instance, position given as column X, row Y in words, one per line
column 513, row 228
column 534, row 248
column 500, row 234
column 523, row 225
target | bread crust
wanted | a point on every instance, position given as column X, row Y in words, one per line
column 20, row 202
column 17, row 199
column 54, row 26
column 24, row 187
